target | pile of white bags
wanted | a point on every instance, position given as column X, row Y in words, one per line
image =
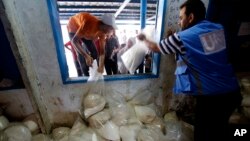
column 107, row 115
column 245, row 84
column 118, row 117
column 19, row 131
column 242, row 116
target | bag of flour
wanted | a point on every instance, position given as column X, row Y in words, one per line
column 134, row 56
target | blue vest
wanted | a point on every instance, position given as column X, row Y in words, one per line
column 204, row 69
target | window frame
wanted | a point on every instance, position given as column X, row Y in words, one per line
column 57, row 34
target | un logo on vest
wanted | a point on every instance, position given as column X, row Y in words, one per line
column 213, row 42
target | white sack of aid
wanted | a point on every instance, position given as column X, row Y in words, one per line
column 134, row 56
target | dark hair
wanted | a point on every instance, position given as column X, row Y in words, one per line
column 196, row 7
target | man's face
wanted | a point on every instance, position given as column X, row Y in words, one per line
column 184, row 20
column 109, row 34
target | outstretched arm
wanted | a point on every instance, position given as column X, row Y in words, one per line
column 169, row 45
column 76, row 42
column 151, row 45
column 102, row 54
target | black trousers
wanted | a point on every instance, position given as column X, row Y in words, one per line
column 111, row 66
column 81, row 65
column 212, row 114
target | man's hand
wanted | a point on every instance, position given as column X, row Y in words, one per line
column 170, row 32
column 101, row 63
column 100, row 69
column 150, row 44
column 141, row 37
column 89, row 60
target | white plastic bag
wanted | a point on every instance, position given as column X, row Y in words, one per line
column 60, row 133
column 86, row 134
column 93, row 103
column 143, row 96
column 109, row 131
column 94, row 75
column 41, row 137
column 134, row 56
column 32, row 126
column 129, row 132
column 150, row 135
column 4, row 122
column 117, row 106
column 145, row 114
column 3, row 136
column 99, row 119
column 18, row 132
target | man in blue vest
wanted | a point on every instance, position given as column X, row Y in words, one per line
column 203, row 71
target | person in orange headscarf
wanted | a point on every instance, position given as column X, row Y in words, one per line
column 86, row 28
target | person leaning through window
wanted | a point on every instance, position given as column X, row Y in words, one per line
column 202, row 71
column 86, row 28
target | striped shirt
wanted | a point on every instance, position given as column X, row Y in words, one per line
column 172, row 45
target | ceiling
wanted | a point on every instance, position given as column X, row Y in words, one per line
column 124, row 10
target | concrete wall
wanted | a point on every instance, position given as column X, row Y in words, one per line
column 15, row 104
